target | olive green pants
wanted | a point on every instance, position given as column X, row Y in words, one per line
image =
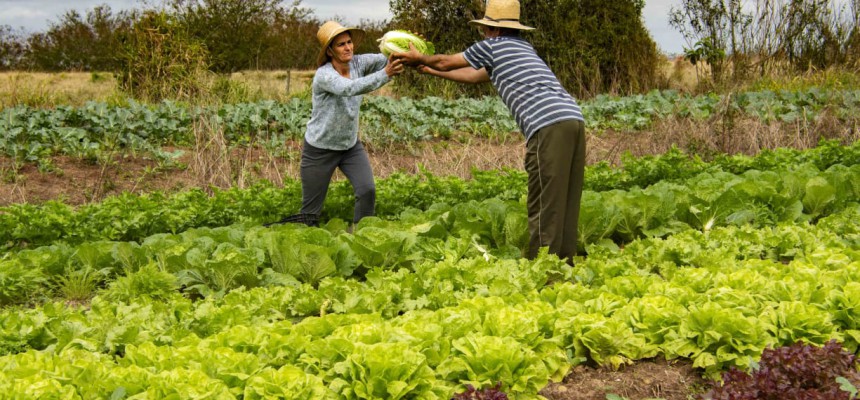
column 555, row 163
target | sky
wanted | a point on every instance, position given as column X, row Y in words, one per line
column 35, row 15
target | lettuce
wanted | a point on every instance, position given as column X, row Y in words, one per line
column 397, row 41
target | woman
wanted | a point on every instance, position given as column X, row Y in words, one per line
column 331, row 138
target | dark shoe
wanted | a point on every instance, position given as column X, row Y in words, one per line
column 307, row 219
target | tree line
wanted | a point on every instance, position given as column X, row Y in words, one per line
column 594, row 46
column 739, row 39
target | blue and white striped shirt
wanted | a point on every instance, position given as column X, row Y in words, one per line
column 527, row 86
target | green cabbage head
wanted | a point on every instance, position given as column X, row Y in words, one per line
column 397, row 41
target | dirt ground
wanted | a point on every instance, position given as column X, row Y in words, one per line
column 647, row 379
column 78, row 181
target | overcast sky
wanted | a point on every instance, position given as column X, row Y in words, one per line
column 34, row 15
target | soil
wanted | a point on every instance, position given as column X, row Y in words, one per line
column 79, row 181
column 645, row 379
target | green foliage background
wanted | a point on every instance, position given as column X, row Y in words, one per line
column 593, row 46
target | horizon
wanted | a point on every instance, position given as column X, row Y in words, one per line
column 33, row 16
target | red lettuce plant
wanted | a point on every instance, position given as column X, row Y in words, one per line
column 490, row 393
column 797, row 372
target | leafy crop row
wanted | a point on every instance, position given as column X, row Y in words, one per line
column 133, row 217
column 427, row 329
column 30, row 134
column 211, row 261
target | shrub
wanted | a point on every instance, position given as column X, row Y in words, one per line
column 160, row 60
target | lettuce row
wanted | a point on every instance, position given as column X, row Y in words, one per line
column 718, row 310
column 211, row 261
column 132, row 218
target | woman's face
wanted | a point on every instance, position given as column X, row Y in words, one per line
column 341, row 48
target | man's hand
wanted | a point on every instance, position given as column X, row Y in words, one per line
column 411, row 58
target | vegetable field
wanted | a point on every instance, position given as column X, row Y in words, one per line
column 189, row 296
column 713, row 262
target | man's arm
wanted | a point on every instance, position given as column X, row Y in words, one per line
column 439, row 62
column 463, row 75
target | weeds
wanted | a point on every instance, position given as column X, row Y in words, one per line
column 80, row 285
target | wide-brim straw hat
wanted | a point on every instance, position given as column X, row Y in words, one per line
column 502, row 14
column 328, row 31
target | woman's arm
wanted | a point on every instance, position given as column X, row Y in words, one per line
column 375, row 62
column 330, row 81
column 462, row 75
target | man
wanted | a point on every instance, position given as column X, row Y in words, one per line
column 547, row 114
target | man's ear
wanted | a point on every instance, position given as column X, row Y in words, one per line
column 328, row 52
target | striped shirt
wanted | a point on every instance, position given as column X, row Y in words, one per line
column 336, row 101
column 527, row 86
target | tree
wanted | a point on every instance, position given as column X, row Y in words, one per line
column 75, row 43
column 596, row 46
column 593, row 46
column 443, row 22
column 291, row 40
column 12, row 48
column 237, row 33
column 767, row 34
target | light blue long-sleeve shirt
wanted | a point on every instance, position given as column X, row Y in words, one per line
column 337, row 100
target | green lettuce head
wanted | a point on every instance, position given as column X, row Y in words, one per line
column 397, row 41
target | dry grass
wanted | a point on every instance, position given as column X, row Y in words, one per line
column 275, row 85
column 39, row 89
column 679, row 74
column 708, row 138
column 215, row 164
column 441, row 158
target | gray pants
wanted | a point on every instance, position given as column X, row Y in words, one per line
column 555, row 163
column 317, row 168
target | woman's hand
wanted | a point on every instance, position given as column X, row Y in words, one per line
column 394, row 67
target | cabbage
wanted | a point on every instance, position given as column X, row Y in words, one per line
column 397, row 41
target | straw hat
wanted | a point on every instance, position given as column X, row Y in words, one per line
column 502, row 14
column 328, row 31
